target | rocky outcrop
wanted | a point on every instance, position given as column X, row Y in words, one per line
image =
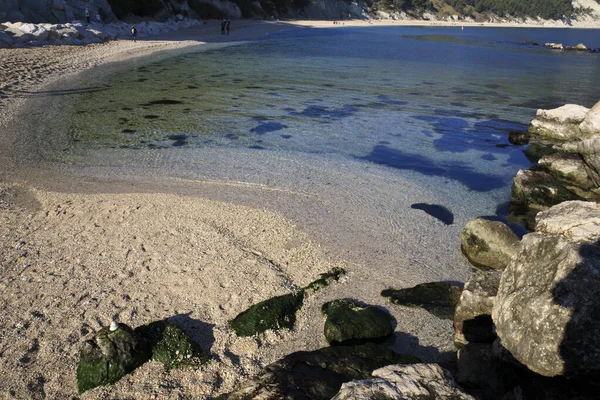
column 20, row 34
column 547, row 307
column 405, row 382
column 333, row 9
column 317, row 374
column 351, row 323
column 54, row 11
column 578, row 47
column 488, row 244
column 561, row 123
column 576, row 221
column 591, row 123
column 480, row 366
column 571, row 169
column 535, row 191
column 554, row 46
column 473, row 318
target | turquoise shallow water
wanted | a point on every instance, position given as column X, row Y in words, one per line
column 369, row 121
column 410, row 98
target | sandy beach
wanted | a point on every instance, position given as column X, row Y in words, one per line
column 78, row 253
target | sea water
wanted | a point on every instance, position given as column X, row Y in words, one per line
column 372, row 127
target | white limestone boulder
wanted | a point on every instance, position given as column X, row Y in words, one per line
column 561, row 123
column 404, row 382
column 590, row 126
column 576, row 221
column 547, row 307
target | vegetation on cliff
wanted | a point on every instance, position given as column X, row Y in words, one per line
column 483, row 9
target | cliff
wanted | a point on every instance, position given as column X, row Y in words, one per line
column 567, row 13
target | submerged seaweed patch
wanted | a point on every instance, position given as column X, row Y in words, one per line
column 458, row 171
column 162, row 102
column 266, row 127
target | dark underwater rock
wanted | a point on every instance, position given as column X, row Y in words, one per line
column 438, row 298
column 518, row 138
column 350, row 323
column 319, row 374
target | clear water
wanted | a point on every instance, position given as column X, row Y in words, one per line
column 369, row 121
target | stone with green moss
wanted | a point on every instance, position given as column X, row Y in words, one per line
column 326, row 279
column 171, row 345
column 351, row 323
column 109, row 356
column 275, row 313
column 438, row 298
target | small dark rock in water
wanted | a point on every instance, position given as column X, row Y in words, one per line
column 436, row 211
column 171, row 345
column 531, row 43
column 151, row 116
column 319, row 374
column 128, row 130
column 438, row 298
column 275, row 313
column 518, row 138
column 109, row 356
column 350, row 323
column 536, row 151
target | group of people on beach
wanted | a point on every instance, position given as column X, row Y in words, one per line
column 225, row 26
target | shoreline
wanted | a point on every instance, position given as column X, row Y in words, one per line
column 84, row 250
column 79, row 252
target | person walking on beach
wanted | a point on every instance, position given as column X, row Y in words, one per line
column 133, row 32
column 87, row 15
column 223, row 23
column 228, row 25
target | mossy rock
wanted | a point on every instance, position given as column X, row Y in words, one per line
column 109, row 356
column 171, row 345
column 438, row 298
column 350, row 323
column 326, row 279
column 275, row 313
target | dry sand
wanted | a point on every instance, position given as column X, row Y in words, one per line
column 71, row 262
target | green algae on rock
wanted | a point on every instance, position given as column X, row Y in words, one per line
column 438, row 298
column 279, row 312
column 171, row 345
column 109, row 356
column 274, row 313
column 326, row 279
column 350, row 323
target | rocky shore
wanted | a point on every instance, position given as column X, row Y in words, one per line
column 201, row 299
